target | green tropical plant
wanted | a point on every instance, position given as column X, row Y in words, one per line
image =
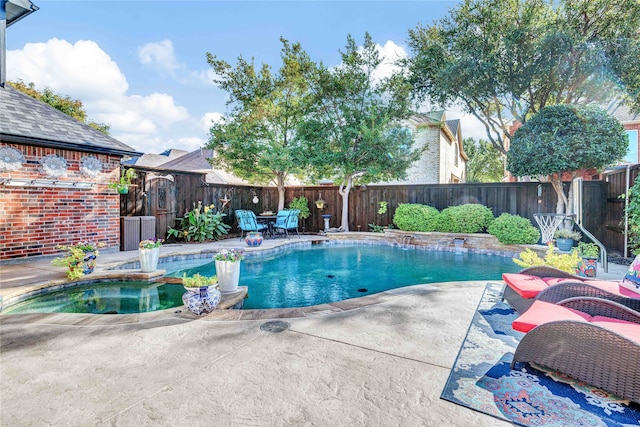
column 382, row 209
column 514, row 230
column 150, row 243
column 301, row 203
column 200, row 224
column 567, row 233
column 126, row 177
column 588, row 250
column 198, row 281
column 415, row 217
column 76, row 261
column 565, row 262
column 633, row 217
column 468, row 218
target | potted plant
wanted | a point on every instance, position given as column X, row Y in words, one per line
column 302, row 204
column 589, row 253
column 201, row 296
column 149, row 251
column 228, row 269
column 80, row 259
column 565, row 238
column 122, row 185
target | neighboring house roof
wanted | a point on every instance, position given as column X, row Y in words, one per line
column 624, row 115
column 18, row 9
column 154, row 160
column 25, row 120
column 196, row 161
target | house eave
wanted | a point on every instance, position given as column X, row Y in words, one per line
column 17, row 139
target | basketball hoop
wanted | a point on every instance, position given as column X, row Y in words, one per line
column 548, row 223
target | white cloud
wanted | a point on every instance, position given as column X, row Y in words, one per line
column 390, row 53
column 84, row 71
column 161, row 55
column 204, row 76
column 208, row 119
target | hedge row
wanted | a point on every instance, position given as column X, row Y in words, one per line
column 469, row 218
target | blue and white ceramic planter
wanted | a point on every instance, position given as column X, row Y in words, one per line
column 201, row 300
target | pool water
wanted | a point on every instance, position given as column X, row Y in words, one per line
column 295, row 277
column 113, row 297
column 299, row 277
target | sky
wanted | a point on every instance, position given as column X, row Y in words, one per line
column 140, row 66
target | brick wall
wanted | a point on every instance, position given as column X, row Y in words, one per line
column 33, row 220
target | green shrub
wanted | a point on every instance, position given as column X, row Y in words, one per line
column 633, row 212
column 514, row 230
column 415, row 217
column 469, row 218
column 200, row 224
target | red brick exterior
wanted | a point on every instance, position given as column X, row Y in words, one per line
column 34, row 220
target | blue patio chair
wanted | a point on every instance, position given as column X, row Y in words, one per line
column 247, row 222
column 292, row 221
column 286, row 221
column 280, row 226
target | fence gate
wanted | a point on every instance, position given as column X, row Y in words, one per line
column 161, row 191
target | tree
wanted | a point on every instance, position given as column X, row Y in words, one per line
column 257, row 140
column 485, row 164
column 353, row 132
column 566, row 138
column 65, row 104
column 508, row 59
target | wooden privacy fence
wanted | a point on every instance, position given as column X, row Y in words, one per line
column 168, row 200
column 618, row 182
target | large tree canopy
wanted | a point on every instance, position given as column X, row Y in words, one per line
column 71, row 107
column 566, row 138
column 353, row 132
column 485, row 164
column 257, row 139
column 508, row 59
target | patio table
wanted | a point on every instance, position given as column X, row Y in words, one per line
column 269, row 220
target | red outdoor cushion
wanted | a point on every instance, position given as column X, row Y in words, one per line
column 628, row 330
column 543, row 312
column 525, row 285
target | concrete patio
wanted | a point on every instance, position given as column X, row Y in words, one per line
column 380, row 363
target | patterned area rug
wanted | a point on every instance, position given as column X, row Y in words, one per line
column 530, row 395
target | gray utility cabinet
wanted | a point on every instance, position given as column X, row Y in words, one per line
column 133, row 229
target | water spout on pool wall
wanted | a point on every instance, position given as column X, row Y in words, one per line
column 406, row 241
column 458, row 242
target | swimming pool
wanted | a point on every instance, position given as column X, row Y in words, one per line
column 318, row 274
column 111, row 297
column 298, row 276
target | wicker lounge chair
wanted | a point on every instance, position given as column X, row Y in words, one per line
column 552, row 285
column 600, row 350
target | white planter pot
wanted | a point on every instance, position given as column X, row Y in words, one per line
column 148, row 259
column 228, row 273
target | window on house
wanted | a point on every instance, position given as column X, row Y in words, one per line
column 632, row 152
column 456, row 154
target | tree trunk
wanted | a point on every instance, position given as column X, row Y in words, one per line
column 344, row 192
column 556, row 182
column 280, row 185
